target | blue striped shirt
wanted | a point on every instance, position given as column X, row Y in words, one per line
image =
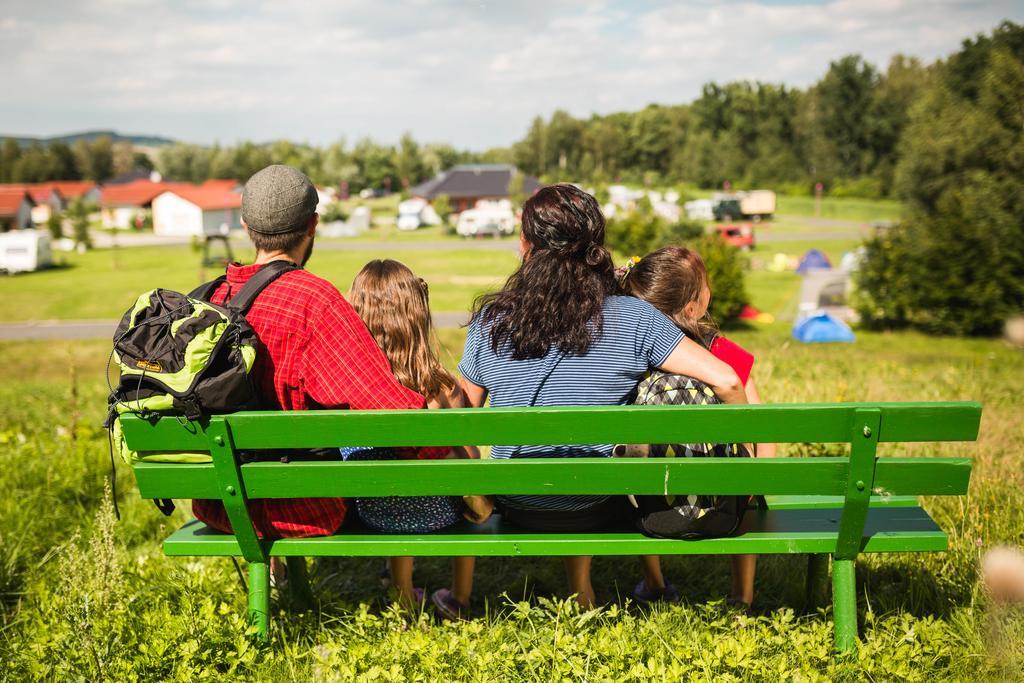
column 635, row 337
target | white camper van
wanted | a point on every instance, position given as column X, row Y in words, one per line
column 487, row 218
column 416, row 212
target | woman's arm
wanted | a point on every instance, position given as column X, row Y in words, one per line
column 456, row 398
column 693, row 360
column 761, row 450
column 475, row 394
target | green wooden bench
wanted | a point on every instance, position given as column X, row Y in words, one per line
column 819, row 506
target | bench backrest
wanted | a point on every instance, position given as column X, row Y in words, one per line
column 863, row 425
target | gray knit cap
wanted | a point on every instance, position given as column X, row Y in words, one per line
column 278, row 199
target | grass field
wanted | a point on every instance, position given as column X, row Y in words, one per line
column 842, row 208
column 85, row 598
column 89, row 287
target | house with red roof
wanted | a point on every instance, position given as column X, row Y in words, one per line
column 75, row 189
column 48, row 201
column 15, row 208
column 127, row 205
column 213, row 208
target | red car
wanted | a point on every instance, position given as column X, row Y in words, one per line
column 740, row 236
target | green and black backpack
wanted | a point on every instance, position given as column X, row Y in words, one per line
column 182, row 356
column 688, row 516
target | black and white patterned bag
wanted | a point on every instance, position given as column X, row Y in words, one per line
column 690, row 516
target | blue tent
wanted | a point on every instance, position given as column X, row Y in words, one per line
column 813, row 259
column 822, row 328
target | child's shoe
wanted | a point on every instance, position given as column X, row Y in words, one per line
column 644, row 596
column 447, row 607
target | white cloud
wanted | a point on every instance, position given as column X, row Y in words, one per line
column 472, row 74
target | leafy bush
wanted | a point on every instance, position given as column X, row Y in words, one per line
column 53, row 224
column 681, row 231
column 642, row 231
column 956, row 266
column 635, row 233
column 334, row 211
column 78, row 212
column 726, row 266
column 443, row 208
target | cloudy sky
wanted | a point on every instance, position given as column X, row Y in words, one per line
column 469, row 73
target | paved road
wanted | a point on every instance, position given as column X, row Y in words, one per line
column 43, row 330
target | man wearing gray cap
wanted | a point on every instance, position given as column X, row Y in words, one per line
column 316, row 352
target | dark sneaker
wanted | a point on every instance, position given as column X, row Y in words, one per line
column 447, row 607
column 645, row 596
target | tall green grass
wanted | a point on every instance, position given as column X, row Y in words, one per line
column 85, row 598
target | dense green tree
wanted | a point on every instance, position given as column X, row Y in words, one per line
column 95, row 158
column 408, row 161
column 956, row 265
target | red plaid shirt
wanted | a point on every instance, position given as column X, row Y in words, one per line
column 317, row 354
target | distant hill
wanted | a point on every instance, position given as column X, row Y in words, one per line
column 71, row 138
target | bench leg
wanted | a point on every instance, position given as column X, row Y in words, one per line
column 817, row 575
column 259, row 598
column 844, row 604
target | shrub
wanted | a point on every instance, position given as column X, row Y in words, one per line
column 78, row 211
column 681, row 231
column 53, row 224
column 726, row 265
column 334, row 211
column 443, row 208
column 635, row 233
column 639, row 232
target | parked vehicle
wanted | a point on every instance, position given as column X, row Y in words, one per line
column 414, row 213
column 740, row 236
column 488, row 218
column 756, row 205
column 23, row 251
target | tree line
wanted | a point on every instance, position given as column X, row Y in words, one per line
column 98, row 160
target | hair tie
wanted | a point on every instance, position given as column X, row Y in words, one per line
column 625, row 270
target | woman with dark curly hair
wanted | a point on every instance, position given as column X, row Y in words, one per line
column 557, row 334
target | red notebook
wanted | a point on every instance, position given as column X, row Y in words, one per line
column 735, row 355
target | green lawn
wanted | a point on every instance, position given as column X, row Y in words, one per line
column 90, row 287
column 845, row 208
column 108, row 605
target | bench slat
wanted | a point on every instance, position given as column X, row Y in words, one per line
column 894, row 476
column 889, row 529
column 774, row 423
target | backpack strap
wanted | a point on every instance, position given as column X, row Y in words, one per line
column 204, row 291
column 243, row 301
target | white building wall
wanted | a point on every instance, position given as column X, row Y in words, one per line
column 120, row 217
column 173, row 215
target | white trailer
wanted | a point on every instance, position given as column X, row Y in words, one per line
column 24, row 251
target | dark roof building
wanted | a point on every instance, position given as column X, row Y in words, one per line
column 468, row 183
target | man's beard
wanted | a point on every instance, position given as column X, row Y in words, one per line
column 309, row 252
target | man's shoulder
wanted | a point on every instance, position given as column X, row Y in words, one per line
column 312, row 287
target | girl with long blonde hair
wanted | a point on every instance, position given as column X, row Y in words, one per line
column 395, row 306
